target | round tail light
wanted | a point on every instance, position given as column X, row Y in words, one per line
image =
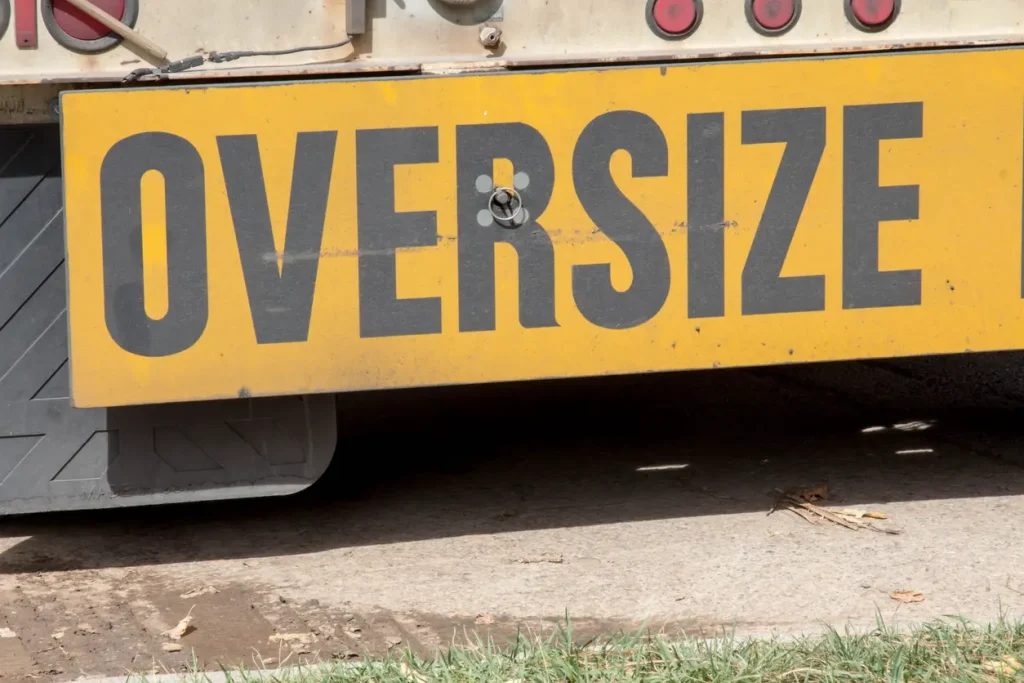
column 772, row 17
column 872, row 15
column 80, row 25
column 75, row 30
column 674, row 19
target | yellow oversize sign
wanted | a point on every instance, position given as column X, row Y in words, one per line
column 335, row 236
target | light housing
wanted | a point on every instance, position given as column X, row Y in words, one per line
column 72, row 29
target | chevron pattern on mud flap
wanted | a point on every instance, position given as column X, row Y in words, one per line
column 55, row 457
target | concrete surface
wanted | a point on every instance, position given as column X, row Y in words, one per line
column 619, row 502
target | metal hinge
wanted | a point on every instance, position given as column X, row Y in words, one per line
column 355, row 17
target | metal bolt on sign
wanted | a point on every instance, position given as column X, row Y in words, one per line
column 490, row 37
column 506, row 206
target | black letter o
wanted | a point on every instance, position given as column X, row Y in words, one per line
column 121, row 204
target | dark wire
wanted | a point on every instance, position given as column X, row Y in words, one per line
column 220, row 57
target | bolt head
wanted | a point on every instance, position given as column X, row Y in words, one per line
column 490, row 37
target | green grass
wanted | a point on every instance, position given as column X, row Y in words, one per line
column 947, row 650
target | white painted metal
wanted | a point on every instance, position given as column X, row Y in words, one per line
column 185, row 28
column 411, row 33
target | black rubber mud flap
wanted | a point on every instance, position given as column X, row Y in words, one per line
column 55, row 457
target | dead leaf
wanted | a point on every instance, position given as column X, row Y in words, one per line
column 813, row 494
column 7, row 633
column 183, row 628
column 171, row 647
column 907, row 596
column 291, row 637
column 195, row 593
column 484, row 620
column 1007, row 666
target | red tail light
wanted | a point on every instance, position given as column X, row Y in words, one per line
column 772, row 17
column 78, row 24
column 75, row 30
column 872, row 15
column 674, row 19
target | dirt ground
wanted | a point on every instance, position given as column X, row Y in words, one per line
column 619, row 502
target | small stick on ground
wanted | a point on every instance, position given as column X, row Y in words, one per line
column 811, row 513
column 800, row 512
column 822, row 512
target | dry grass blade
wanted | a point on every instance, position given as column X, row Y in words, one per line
column 823, row 513
column 807, row 516
column 863, row 514
column 413, row 676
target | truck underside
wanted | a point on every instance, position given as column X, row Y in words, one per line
column 54, row 456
